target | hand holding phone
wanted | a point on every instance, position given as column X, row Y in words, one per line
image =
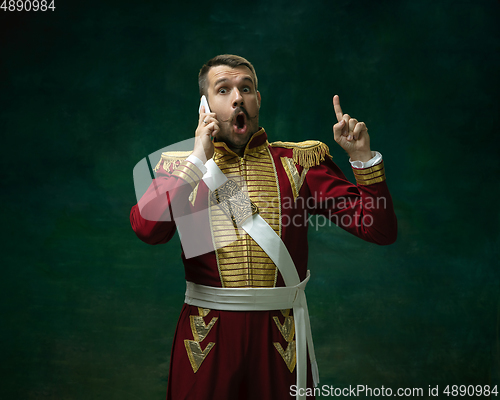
column 208, row 126
column 204, row 102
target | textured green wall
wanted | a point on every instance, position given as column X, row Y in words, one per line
column 89, row 311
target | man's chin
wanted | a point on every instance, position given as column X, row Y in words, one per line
column 237, row 139
column 243, row 138
column 240, row 141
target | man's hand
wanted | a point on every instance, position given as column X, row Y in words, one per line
column 208, row 126
column 351, row 135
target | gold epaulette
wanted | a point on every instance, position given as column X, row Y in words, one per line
column 171, row 157
column 308, row 153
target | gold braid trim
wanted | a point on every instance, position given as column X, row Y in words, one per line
column 170, row 158
column 307, row 154
column 188, row 172
column 369, row 176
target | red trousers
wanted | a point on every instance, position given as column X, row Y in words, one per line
column 237, row 355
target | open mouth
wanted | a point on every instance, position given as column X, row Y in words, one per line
column 240, row 123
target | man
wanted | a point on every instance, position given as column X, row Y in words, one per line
column 244, row 329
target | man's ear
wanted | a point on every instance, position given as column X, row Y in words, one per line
column 258, row 97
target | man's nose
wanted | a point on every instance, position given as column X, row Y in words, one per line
column 238, row 98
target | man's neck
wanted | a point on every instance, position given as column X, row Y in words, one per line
column 240, row 151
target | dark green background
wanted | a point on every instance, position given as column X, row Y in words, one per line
column 89, row 311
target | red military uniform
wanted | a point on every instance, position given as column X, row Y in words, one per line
column 239, row 354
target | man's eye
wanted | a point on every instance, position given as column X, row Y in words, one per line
column 222, row 91
column 246, row 90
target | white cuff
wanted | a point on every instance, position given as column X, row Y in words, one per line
column 196, row 161
column 376, row 158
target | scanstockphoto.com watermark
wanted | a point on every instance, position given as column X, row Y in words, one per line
column 355, row 391
column 486, row 391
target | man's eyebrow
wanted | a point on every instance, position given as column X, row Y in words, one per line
column 222, row 80
column 247, row 78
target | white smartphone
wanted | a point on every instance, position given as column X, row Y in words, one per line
column 204, row 102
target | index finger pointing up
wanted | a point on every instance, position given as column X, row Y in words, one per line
column 336, row 107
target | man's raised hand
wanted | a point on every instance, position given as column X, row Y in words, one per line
column 351, row 135
column 208, row 127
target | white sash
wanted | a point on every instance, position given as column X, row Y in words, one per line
column 271, row 243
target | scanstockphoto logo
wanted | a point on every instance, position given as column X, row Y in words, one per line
column 438, row 391
column 165, row 200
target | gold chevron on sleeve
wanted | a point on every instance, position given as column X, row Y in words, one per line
column 296, row 180
column 287, row 329
column 195, row 354
column 289, row 355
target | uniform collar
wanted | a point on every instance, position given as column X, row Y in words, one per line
column 257, row 142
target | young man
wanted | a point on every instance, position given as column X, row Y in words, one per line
column 244, row 331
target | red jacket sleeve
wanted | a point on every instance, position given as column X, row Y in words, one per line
column 365, row 210
column 152, row 218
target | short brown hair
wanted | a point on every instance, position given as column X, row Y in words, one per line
column 223, row 59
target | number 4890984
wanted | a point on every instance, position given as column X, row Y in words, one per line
column 28, row 5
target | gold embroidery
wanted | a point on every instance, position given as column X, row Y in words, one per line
column 222, row 229
column 296, row 180
column 221, row 148
column 188, row 174
column 261, row 179
column 241, row 262
column 286, row 312
column 194, row 174
column 368, row 176
column 203, row 311
column 372, row 181
column 272, row 198
column 200, row 331
column 364, row 171
column 307, row 154
column 263, row 169
column 289, row 355
column 195, row 354
column 192, row 196
column 232, row 279
column 184, row 177
column 170, row 158
column 234, row 203
column 287, row 329
column 199, row 328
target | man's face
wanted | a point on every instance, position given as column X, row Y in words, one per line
column 233, row 97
